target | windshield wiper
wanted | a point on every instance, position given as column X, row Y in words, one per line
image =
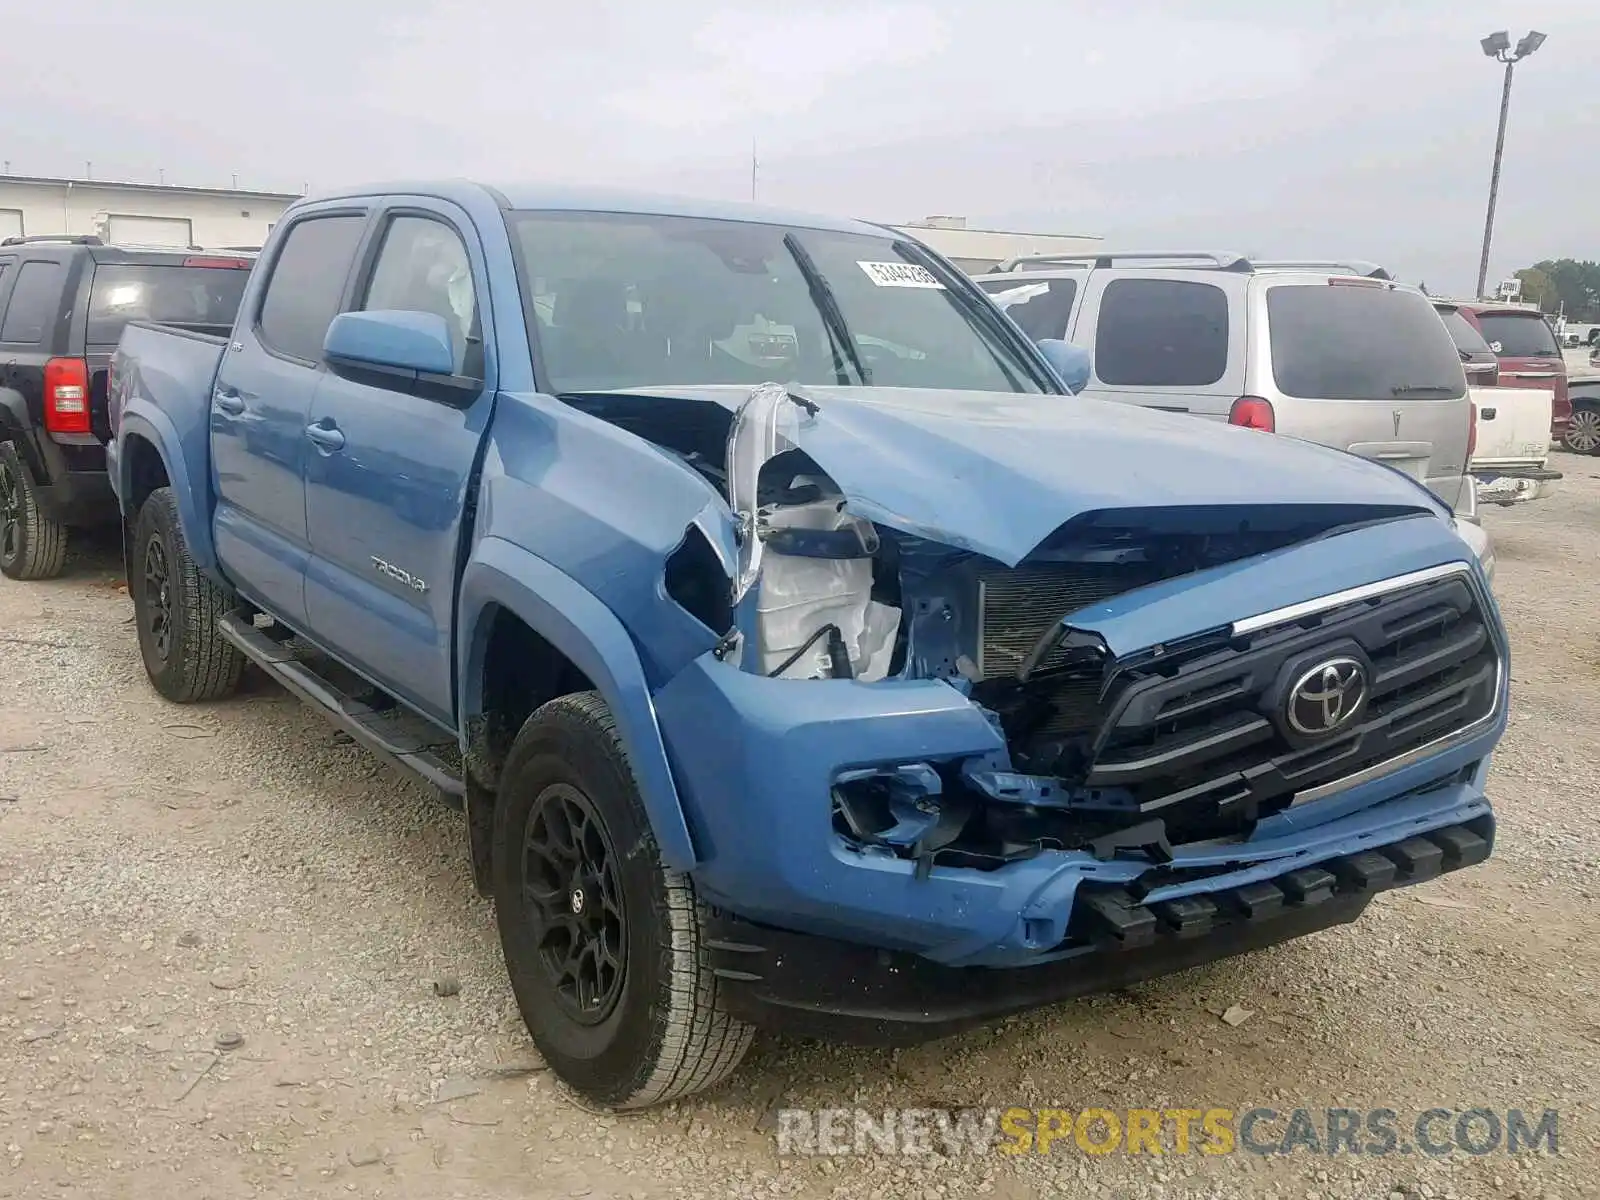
column 1419, row 389
column 843, row 346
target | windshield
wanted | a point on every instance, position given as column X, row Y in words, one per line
column 202, row 298
column 1356, row 342
column 629, row 301
column 1518, row 335
column 1462, row 331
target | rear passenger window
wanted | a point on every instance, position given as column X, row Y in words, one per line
column 1161, row 333
column 33, row 303
column 1041, row 307
column 307, row 284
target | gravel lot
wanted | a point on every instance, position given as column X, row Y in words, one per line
column 175, row 880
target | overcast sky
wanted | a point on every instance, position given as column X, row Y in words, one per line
column 1284, row 127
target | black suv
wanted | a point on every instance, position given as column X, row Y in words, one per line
column 63, row 303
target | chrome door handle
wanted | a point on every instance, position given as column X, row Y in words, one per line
column 325, row 437
column 230, row 403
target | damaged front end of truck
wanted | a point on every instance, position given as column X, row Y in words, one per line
column 953, row 716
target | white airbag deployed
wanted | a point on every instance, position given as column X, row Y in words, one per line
column 800, row 597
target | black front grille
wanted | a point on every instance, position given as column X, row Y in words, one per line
column 1206, row 741
column 1018, row 606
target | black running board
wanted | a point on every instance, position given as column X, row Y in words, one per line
column 395, row 734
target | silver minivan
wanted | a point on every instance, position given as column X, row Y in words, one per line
column 1334, row 353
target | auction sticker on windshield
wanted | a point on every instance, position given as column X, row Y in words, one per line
column 899, row 274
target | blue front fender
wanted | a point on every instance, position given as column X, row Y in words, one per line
column 149, row 422
column 503, row 575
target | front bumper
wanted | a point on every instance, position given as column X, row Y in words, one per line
column 756, row 759
column 820, row 987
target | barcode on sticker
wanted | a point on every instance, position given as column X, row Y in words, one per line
column 899, row 274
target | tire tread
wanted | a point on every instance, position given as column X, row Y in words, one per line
column 698, row 1045
column 44, row 540
column 210, row 666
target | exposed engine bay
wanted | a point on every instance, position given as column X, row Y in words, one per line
column 822, row 593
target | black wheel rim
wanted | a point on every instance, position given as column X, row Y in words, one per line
column 10, row 513
column 158, row 596
column 573, row 903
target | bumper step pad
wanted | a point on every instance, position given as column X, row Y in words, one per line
column 1112, row 918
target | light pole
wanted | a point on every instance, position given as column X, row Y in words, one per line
column 1498, row 46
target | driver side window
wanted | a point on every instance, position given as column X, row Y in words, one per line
column 423, row 267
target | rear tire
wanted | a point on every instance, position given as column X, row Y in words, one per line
column 32, row 545
column 604, row 945
column 1582, row 435
column 177, row 608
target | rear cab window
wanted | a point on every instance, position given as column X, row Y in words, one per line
column 1041, row 307
column 1518, row 335
column 1359, row 342
column 201, row 298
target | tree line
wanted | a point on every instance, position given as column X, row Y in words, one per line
column 1563, row 285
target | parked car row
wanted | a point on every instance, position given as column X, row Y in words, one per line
column 842, row 675
column 1514, row 425
column 1333, row 352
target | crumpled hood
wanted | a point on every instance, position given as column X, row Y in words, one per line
column 997, row 473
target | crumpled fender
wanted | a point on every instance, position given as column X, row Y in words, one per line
column 145, row 420
column 501, row 574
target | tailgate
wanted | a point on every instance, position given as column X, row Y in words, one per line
column 1513, row 427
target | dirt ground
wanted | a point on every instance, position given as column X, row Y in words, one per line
column 224, row 931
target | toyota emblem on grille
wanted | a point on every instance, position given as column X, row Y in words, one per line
column 1327, row 697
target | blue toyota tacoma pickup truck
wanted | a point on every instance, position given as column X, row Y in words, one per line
column 802, row 652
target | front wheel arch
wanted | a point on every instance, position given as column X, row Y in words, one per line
column 580, row 627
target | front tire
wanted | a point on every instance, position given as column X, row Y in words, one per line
column 32, row 545
column 177, row 608
column 1582, row 436
column 604, row 944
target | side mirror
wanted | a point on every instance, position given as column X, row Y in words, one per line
column 1069, row 361
column 393, row 339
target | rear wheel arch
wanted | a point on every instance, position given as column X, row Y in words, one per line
column 143, row 471
column 150, row 456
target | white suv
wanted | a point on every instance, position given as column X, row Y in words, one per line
column 1334, row 353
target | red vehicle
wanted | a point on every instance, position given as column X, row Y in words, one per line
column 1529, row 354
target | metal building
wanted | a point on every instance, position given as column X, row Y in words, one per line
column 138, row 213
